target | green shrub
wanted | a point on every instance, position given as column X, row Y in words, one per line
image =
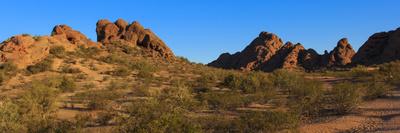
column 391, row 72
column 7, row 70
column 254, row 122
column 67, row 85
column 98, row 99
column 376, row 89
column 10, row 119
column 306, row 97
column 233, row 81
column 115, row 58
column 285, row 80
column 44, row 65
column 58, row 51
column 89, row 52
column 155, row 116
column 345, row 97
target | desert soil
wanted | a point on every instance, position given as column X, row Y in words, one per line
column 381, row 115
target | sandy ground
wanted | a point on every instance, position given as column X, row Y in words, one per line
column 381, row 115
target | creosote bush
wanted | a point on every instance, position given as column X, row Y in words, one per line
column 58, row 51
column 44, row 65
column 7, row 70
column 345, row 97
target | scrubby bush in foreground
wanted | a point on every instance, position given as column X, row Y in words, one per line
column 345, row 97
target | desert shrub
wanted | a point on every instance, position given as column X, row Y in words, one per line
column 306, row 97
column 37, row 106
column 99, row 99
column 10, row 119
column 155, row 116
column 224, row 100
column 58, row 51
column 391, row 72
column 233, row 81
column 376, row 89
column 104, row 117
column 178, row 94
column 219, row 124
column 70, row 69
column 115, row 58
column 7, row 70
column 118, row 85
column 359, row 71
column 145, row 69
column 205, row 81
column 121, row 71
column 285, row 80
column 345, row 97
column 87, row 52
column 44, row 65
column 268, row 121
column 67, row 84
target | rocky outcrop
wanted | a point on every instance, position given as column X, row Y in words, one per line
column 259, row 51
column 379, row 48
column 133, row 34
column 24, row 50
column 267, row 54
column 65, row 33
column 341, row 55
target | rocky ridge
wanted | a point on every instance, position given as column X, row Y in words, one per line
column 24, row 50
column 266, row 53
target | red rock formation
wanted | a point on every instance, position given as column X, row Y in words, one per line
column 132, row 34
column 259, row 51
column 379, row 48
column 24, row 50
column 341, row 55
column 265, row 53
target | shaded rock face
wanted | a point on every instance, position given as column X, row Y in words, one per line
column 132, row 34
column 341, row 55
column 379, row 48
column 259, row 51
column 266, row 53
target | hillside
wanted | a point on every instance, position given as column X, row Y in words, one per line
column 130, row 81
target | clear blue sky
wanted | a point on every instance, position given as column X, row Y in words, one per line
column 202, row 29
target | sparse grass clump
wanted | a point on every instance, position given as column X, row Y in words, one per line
column 58, row 51
column 89, row 52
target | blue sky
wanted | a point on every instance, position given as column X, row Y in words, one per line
column 203, row 29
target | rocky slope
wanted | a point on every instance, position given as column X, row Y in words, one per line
column 379, row 48
column 25, row 50
column 266, row 53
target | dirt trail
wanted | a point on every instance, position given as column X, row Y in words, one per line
column 381, row 115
